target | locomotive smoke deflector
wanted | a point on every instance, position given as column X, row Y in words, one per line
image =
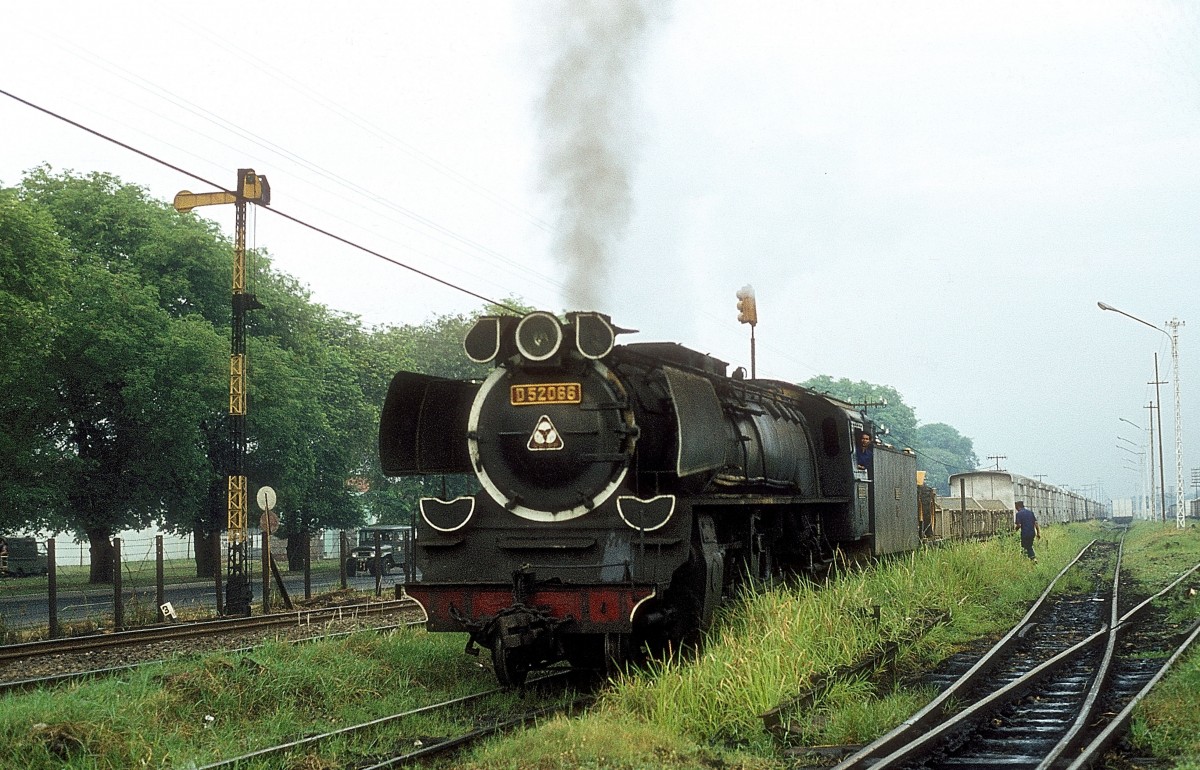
column 423, row 426
column 699, row 423
column 482, row 342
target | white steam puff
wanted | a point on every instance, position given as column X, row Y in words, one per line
column 588, row 136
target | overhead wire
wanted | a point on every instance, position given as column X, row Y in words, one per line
column 360, row 122
column 277, row 212
column 450, row 238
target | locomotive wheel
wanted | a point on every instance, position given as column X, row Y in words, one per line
column 509, row 671
column 599, row 655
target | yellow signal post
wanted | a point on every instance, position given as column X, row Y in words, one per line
column 748, row 314
column 250, row 188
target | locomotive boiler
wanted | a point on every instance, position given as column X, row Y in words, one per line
column 623, row 490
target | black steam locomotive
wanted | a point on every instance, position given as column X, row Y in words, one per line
column 624, row 490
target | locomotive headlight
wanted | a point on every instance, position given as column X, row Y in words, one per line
column 539, row 336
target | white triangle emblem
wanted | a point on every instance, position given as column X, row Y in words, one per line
column 545, row 436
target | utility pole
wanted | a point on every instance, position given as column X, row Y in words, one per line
column 1174, row 325
column 1162, row 466
column 250, row 188
column 997, row 458
column 1150, row 451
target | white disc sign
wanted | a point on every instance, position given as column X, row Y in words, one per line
column 266, row 498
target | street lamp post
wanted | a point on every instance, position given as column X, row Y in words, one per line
column 1173, row 336
column 1150, row 454
column 1141, row 474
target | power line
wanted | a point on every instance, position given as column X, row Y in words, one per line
column 433, row 229
column 296, row 220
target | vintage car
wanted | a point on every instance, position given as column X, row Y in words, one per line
column 394, row 545
column 22, row 556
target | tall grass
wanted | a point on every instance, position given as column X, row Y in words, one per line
column 1167, row 723
column 194, row 711
column 769, row 646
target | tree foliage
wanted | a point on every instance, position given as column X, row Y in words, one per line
column 33, row 284
column 117, row 379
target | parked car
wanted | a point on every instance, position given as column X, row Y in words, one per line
column 394, row 545
column 22, row 556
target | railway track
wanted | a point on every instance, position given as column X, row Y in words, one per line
column 1053, row 693
column 50, row 680
column 425, row 750
column 170, row 632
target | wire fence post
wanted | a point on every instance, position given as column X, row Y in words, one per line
column 343, row 555
column 160, row 592
column 52, row 587
column 266, row 572
column 378, row 563
column 118, row 604
column 216, row 548
column 307, row 563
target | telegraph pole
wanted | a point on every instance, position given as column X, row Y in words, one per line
column 1150, row 451
column 1162, row 466
column 1174, row 325
column 250, row 188
column 997, row 458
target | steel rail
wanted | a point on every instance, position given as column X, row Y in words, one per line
column 159, row 633
column 313, row 739
column 455, row 743
column 1069, row 739
column 1000, row 696
column 1120, row 722
column 933, row 710
column 1086, row 716
column 36, row 682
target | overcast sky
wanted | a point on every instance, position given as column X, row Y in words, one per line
column 926, row 195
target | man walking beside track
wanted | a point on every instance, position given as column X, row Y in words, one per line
column 1028, row 524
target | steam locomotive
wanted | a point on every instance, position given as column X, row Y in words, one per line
column 624, row 490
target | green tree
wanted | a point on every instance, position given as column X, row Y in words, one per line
column 184, row 266
column 33, row 272
column 311, row 426
column 945, row 452
column 127, row 377
column 183, row 256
